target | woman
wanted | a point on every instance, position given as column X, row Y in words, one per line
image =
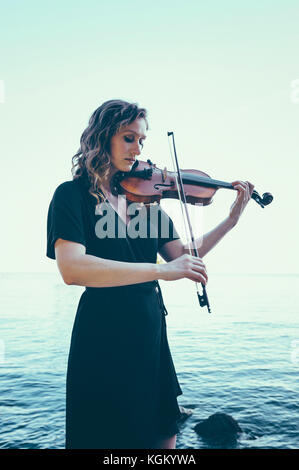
column 122, row 386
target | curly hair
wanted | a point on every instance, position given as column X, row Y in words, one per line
column 92, row 160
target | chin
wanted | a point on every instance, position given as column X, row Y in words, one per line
column 128, row 165
column 123, row 166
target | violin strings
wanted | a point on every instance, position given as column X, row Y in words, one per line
column 184, row 216
column 181, row 202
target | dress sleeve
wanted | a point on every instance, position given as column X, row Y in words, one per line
column 65, row 217
column 166, row 230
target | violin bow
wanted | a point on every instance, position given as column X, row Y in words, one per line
column 203, row 299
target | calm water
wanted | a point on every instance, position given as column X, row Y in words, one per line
column 242, row 359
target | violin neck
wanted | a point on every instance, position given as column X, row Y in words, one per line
column 202, row 181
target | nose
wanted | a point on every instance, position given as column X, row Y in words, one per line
column 136, row 149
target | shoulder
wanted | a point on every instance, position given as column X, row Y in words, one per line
column 67, row 187
column 68, row 190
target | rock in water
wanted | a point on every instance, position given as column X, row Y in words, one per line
column 185, row 413
column 218, row 427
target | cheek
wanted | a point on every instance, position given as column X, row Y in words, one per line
column 114, row 149
column 118, row 148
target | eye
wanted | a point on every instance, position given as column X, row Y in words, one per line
column 128, row 139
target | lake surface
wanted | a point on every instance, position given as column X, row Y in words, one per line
column 242, row 359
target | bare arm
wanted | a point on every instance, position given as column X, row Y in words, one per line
column 80, row 269
column 210, row 239
column 176, row 248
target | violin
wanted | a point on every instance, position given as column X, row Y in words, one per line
column 147, row 184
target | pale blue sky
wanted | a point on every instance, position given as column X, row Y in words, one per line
column 217, row 73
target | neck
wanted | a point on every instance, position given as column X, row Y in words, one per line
column 106, row 182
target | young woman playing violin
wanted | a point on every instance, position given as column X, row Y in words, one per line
column 122, row 386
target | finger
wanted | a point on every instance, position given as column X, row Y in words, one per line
column 200, row 268
column 241, row 189
column 201, row 272
column 238, row 182
column 198, row 261
column 198, row 264
column 244, row 188
column 247, row 189
column 251, row 187
column 198, row 278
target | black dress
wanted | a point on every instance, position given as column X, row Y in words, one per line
column 122, row 386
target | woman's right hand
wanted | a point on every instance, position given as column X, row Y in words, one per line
column 185, row 266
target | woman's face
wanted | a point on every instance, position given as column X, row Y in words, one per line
column 127, row 144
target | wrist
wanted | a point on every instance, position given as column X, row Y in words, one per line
column 231, row 221
column 160, row 271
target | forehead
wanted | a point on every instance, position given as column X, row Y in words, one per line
column 138, row 127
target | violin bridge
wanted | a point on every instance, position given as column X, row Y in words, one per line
column 164, row 174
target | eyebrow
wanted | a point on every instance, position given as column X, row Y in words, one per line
column 130, row 130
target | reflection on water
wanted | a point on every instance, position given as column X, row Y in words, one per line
column 241, row 359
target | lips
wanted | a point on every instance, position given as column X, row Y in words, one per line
column 130, row 160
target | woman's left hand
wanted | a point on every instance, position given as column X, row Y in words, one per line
column 245, row 190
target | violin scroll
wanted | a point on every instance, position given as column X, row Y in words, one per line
column 263, row 201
